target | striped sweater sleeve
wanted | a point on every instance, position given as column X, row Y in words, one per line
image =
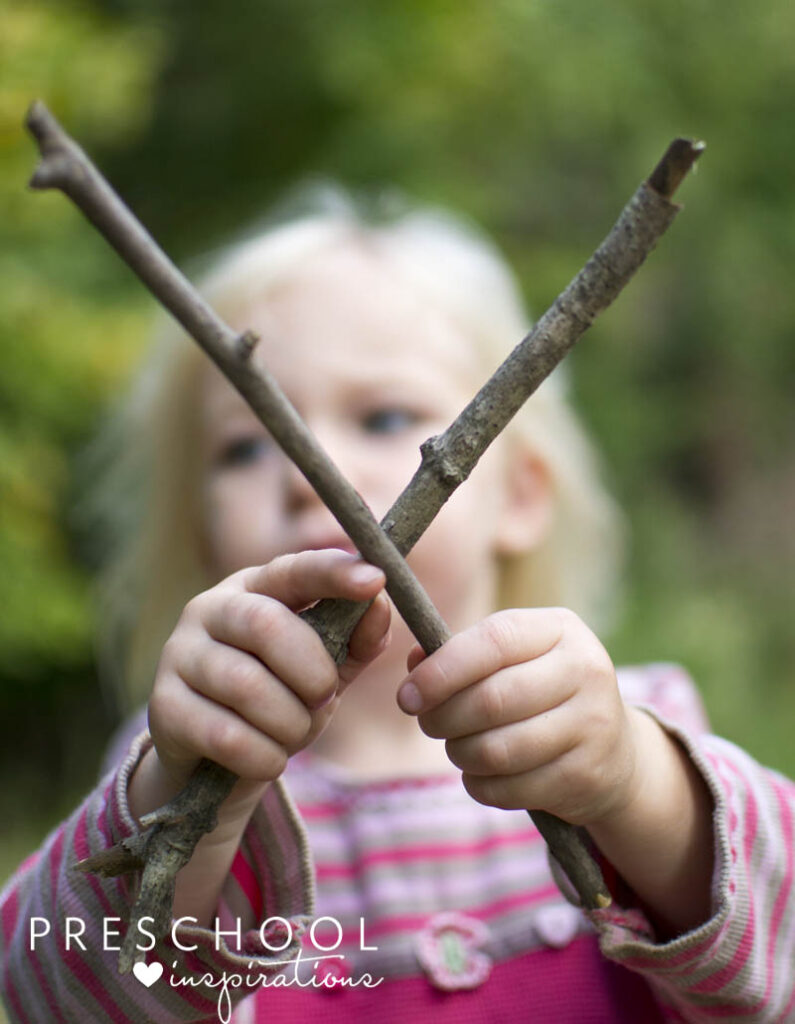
column 60, row 930
column 738, row 966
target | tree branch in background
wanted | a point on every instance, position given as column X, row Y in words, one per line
column 171, row 833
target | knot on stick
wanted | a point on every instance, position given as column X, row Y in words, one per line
column 436, row 458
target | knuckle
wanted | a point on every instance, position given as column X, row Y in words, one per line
column 569, row 617
column 498, row 631
column 434, row 680
column 323, row 682
column 281, row 758
column 164, row 710
column 282, row 564
column 568, row 621
column 477, row 788
column 491, row 701
column 284, row 573
column 170, row 655
column 237, row 580
column 278, row 568
column 243, row 682
column 594, row 665
column 255, row 615
column 328, row 676
column 192, row 612
column 483, row 790
column 456, row 752
column 297, row 727
column 432, row 725
column 271, row 762
column 495, row 753
column 224, row 742
column 258, row 615
column 197, row 607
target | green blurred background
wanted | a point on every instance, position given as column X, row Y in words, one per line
column 537, row 118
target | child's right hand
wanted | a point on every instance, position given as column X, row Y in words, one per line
column 244, row 681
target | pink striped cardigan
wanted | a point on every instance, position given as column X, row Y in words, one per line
column 414, row 903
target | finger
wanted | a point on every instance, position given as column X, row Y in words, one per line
column 559, row 787
column 186, row 726
column 242, row 683
column 301, row 579
column 512, row 694
column 518, row 747
column 369, row 639
column 284, row 643
column 511, row 792
column 502, row 639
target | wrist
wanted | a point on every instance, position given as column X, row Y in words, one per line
column 659, row 838
column 646, row 759
column 152, row 785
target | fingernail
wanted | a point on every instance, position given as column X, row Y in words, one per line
column 410, row 699
column 365, row 573
column 325, row 702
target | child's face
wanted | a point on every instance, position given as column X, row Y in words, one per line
column 373, row 374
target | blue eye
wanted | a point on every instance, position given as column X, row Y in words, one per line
column 389, row 420
column 242, row 451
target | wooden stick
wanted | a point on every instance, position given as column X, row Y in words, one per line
column 171, row 832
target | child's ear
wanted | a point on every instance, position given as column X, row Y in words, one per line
column 526, row 514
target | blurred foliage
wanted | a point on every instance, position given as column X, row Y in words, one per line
column 71, row 326
column 535, row 117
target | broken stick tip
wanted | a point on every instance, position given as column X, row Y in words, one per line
column 675, row 164
column 37, row 118
column 42, row 126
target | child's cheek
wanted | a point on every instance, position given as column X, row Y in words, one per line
column 241, row 529
column 454, row 560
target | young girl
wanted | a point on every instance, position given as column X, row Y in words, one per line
column 375, row 856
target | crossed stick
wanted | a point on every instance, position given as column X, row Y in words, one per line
column 169, row 835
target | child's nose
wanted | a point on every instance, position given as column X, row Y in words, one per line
column 300, row 492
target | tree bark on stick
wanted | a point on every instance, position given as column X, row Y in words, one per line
column 171, row 833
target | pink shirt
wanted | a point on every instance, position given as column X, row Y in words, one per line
column 449, row 908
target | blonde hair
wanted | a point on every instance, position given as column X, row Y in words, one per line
column 156, row 564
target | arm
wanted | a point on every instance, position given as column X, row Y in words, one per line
column 46, row 976
column 528, row 704
column 203, row 705
column 737, row 966
column 199, row 883
column 244, row 682
column 661, row 839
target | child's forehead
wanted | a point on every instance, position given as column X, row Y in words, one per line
column 350, row 308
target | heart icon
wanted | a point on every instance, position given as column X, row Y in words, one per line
column 147, row 974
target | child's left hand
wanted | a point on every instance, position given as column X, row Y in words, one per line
column 528, row 703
